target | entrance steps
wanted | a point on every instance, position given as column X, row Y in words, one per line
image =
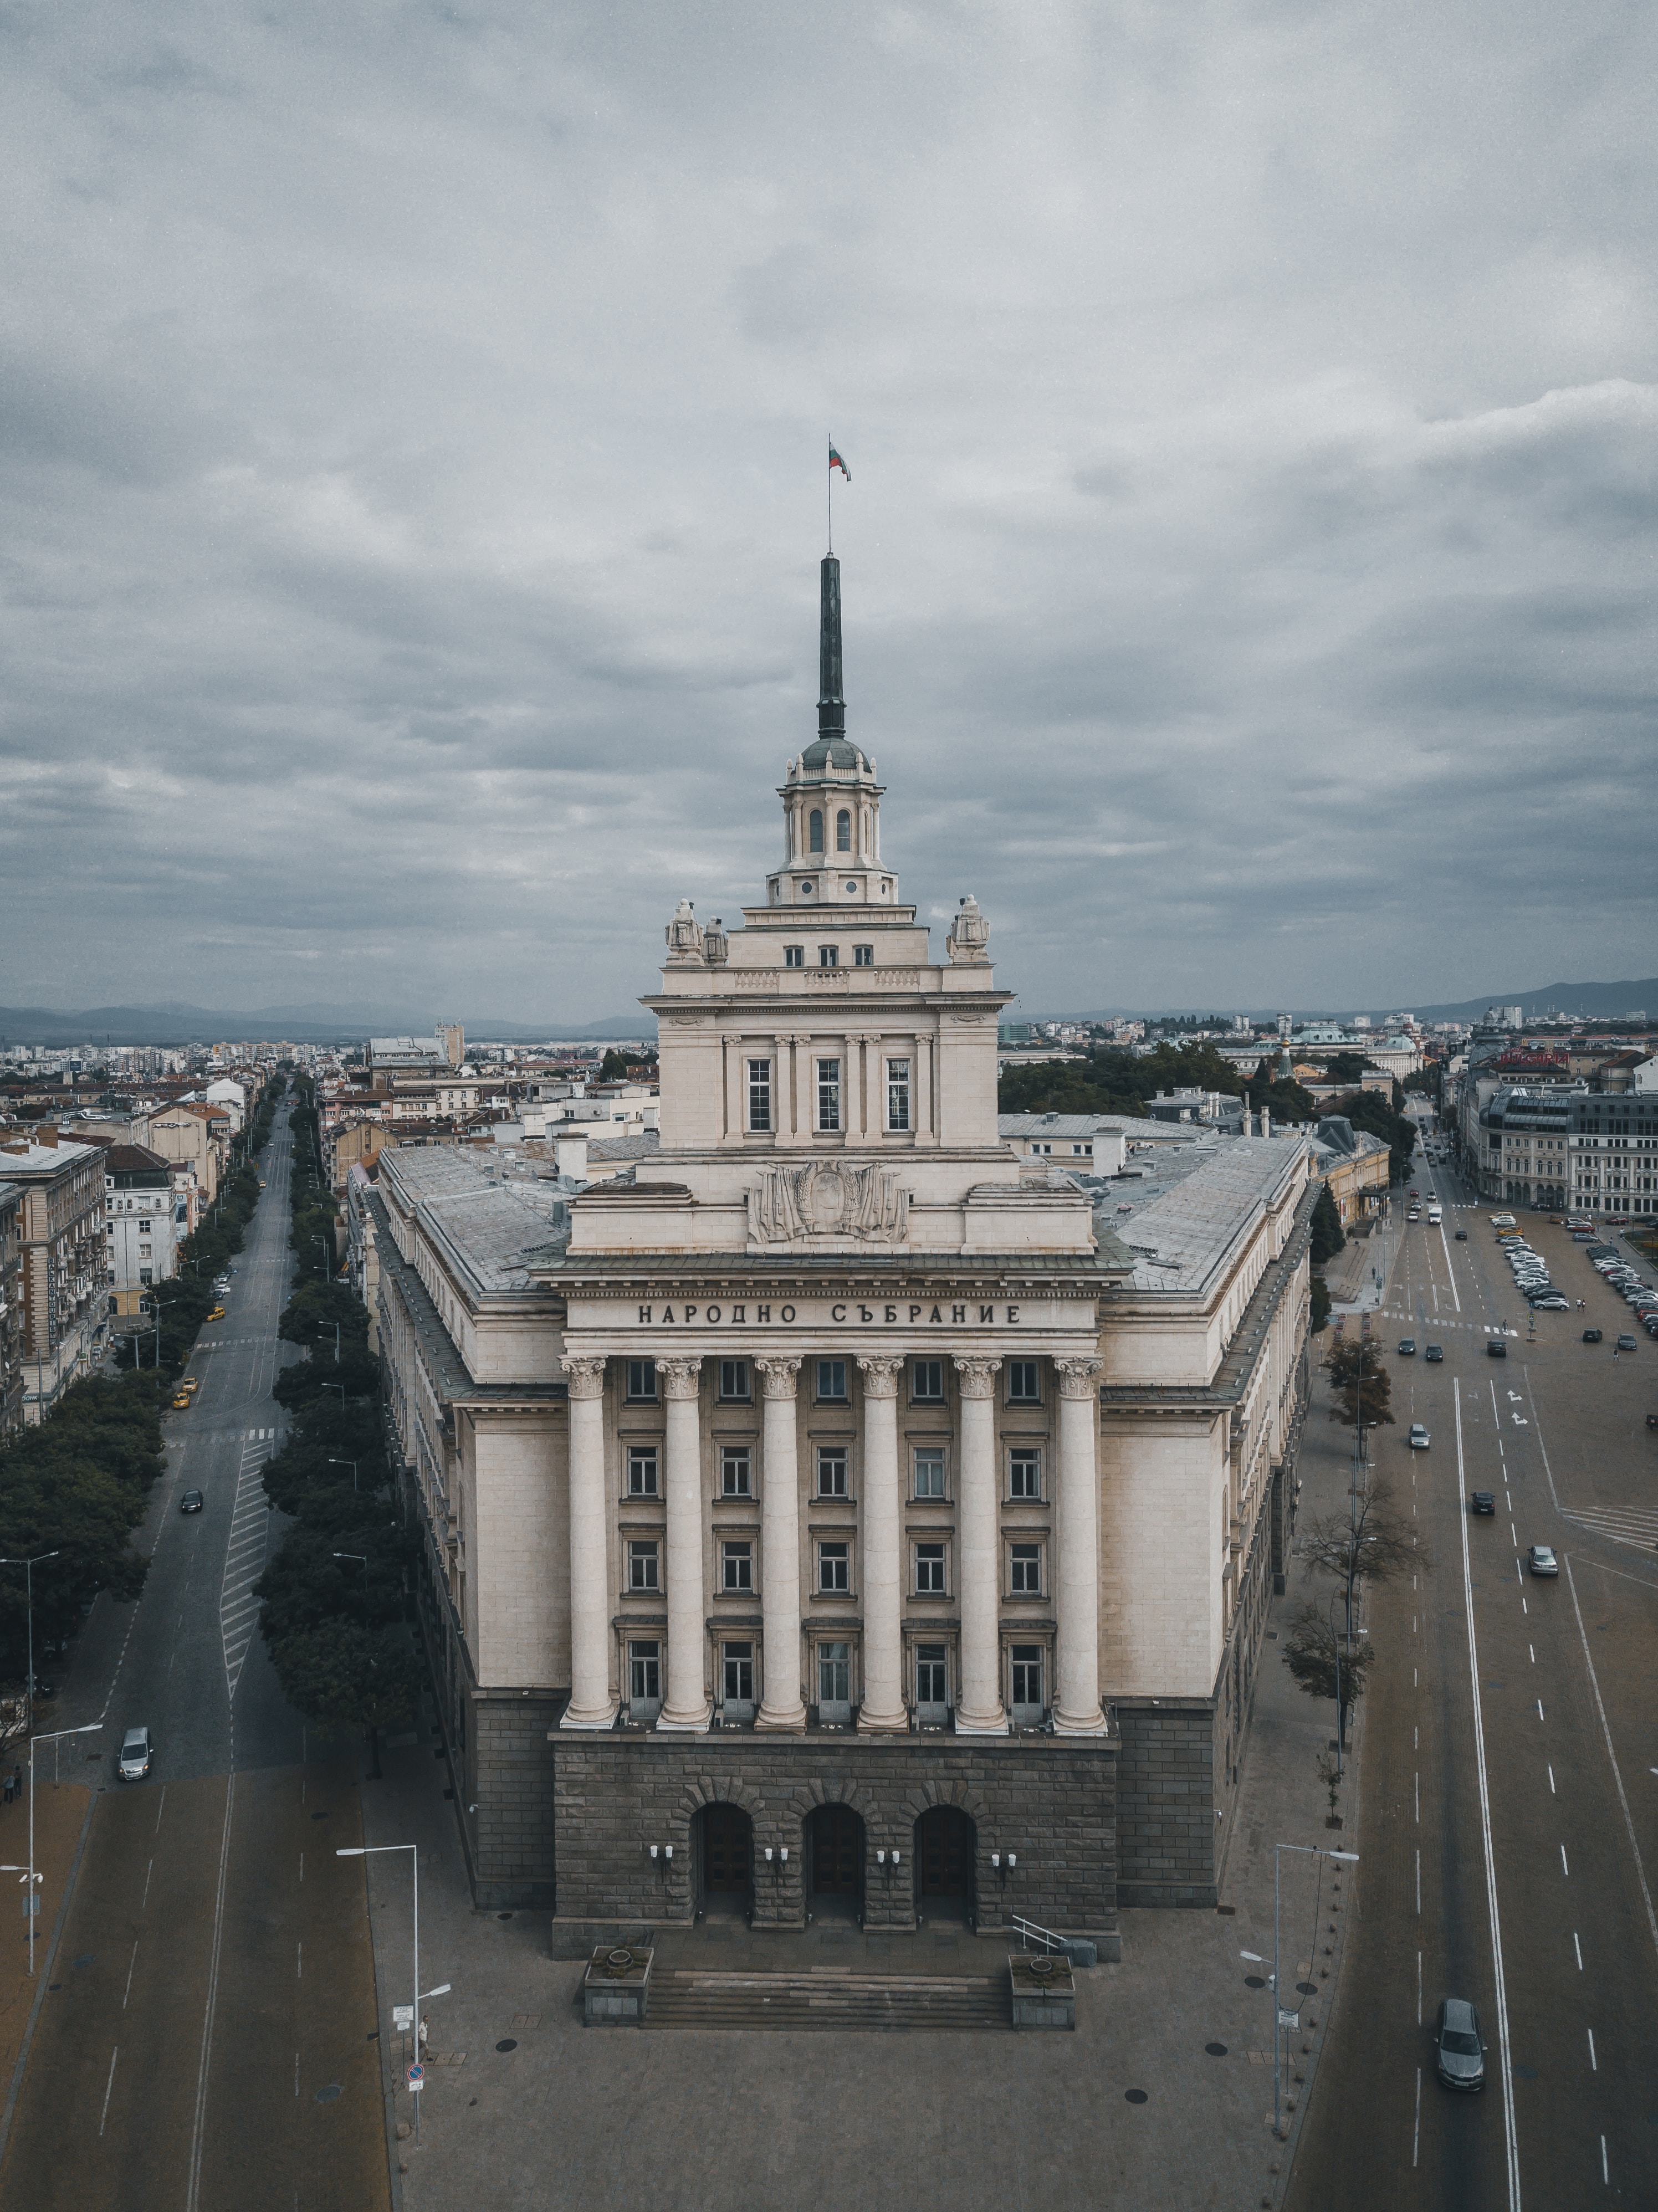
column 820, row 1997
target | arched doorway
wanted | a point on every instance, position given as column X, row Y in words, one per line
column 834, row 1846
column 944, row 1842
column 725, row 1840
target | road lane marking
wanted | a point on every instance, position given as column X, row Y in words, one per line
column 1511, row 2144
column 1540, row 1709
column 192, row 2196
column 1553, row 1792
column 127, row 1991
column 1419, row 2002
column 1617, row 1771
column 160, row 1809
column 1604, row 2175
column 1565, row 1869
column 1578, row 1948
column 108, row 2086
column 1532, row 1648
column 1416, row 1780
column 1416, row 2132
column 144, row 1900
column 1418, row 1883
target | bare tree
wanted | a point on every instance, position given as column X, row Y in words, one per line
column 1374, row 1541
column 1326, row 1663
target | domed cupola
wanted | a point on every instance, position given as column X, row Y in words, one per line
column 831, row 799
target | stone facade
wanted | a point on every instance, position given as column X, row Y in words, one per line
column 1051, row 1806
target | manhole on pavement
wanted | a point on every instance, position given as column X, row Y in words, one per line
column 503, row 1916
column 1216, row 2050
column 86, row 1959
column 327, row 2096
column 54, row 1985
column 1308, row 1989
column 319, row 1816
column 1134, row 2096
column 1254, row 1981
column 508, row 2043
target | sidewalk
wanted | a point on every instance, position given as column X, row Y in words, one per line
column 60, row 1819
column 523, row 2106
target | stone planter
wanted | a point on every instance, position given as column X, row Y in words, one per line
column 616, row 1990
column 1044, row 1988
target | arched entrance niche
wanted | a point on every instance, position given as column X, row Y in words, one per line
column 945, row 1841
column 835, row 1862
column 723, row 1837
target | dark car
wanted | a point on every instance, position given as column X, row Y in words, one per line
column 1495, row 1348
column 1626, row 1344
column 1482, row 1501
column 1407, row 1346
column 1461, row 1235
column 1458, row 2047
column 191, row 1502
column 1434, row 1354
column 1591, row 1336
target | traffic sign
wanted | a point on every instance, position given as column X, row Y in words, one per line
column 30, row 1905
column 1287, row 2019
column 403, row 2018
column 416, row 2075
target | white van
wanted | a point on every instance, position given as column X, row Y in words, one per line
column 1435, row 1216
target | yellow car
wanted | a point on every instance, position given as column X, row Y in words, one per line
column 190, row 1383
column 181, row 1403
column 217, row 1314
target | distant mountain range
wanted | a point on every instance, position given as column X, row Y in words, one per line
column 175, row 1023
column 1594, row 1002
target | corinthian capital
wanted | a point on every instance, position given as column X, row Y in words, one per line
column 586, row 1376
column 680, row 1378
column 978, row 1376
column 1076, row 1377
column 881, row 1374
column 777, row 1376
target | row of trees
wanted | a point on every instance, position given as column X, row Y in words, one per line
column 335, row 1605
column 1110, row 1079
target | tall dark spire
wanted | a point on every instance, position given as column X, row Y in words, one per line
column 831, row 706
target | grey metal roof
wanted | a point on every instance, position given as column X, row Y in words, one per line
column 488, row 1225
column 1196, row 1207
column 438, row 1350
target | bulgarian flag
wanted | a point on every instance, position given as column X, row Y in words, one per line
column 836, row 462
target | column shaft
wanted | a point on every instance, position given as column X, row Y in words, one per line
column 1077, row 1690
column 779, row 1548
column 686, row 1707
column 883, row 1705
column 592, row 1705
column 979, row 1708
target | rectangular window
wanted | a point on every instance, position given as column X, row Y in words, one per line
column 641, row 1470
column 929, row 1471
column 734, row 1382
column 1027, row 1567
column 645, row 1674
column 829, row 956
column 641, row 1382
column 1022, row 1380
column 835, row 1567
column 1028, row 1680
column 734, row 1470
column 831, row 1470
column 737, row 1567
column 929, row 1570
column 828, row 1094
column 832, row 1379
column 927, row 1380
column 834, row 1675
column 898, row 1094
column 739, row 1674
column 760, row 1096
column 642, row 1573
column 929, row 1674
column 794, row 956
column 1024, row 1474
column 863, row 956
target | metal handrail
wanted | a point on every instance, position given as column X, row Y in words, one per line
column 1030, row 1933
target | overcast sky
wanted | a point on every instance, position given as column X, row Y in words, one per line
column 414, row 476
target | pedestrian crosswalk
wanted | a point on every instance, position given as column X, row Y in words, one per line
column 255, row 1435
column 1623, row 1525
column 239, row 1609
column 1434, row 1322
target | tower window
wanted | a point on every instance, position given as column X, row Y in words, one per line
column 760, row 1092
column 898, row 1095
column 794, row 956
column 828, row 1094
column 829, row 956
column 863, row 956
column 815, row 831
column 843, row 831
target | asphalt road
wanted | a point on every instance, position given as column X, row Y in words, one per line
column 1509, row 1831
column 205, row 2038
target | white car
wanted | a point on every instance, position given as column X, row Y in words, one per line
column 136, row 1753
column 1417, row 1439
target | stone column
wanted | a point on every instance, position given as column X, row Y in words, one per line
column 979, row 1708
column 779, row 1548
column 592, row 1705
column 1077, row 1570
column 883, row 1707
column 685, row 1709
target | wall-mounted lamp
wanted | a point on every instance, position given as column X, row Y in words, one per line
column 897, row 1857
column 880, row 1858
column 768, row 1854
column 784, row 1854
column 996, row 1860
column 652, row 1850
column 667, row 1850
column 1013, row 1859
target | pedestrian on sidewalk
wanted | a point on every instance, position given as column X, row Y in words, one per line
column 425, row 2026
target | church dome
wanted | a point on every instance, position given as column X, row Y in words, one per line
column 838, row 753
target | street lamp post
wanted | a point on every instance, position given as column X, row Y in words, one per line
column 29, row 1566
column 1281, row 2019
column 364, row 1563
column 374, row 1850
column 92, row 1728
column 352, row 1464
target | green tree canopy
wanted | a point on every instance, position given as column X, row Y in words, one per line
column 1328, row 1236
column 1361, row 1383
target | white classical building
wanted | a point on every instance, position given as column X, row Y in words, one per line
column 942, row 1496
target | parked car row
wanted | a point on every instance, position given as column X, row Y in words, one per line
column 1531, row 1275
